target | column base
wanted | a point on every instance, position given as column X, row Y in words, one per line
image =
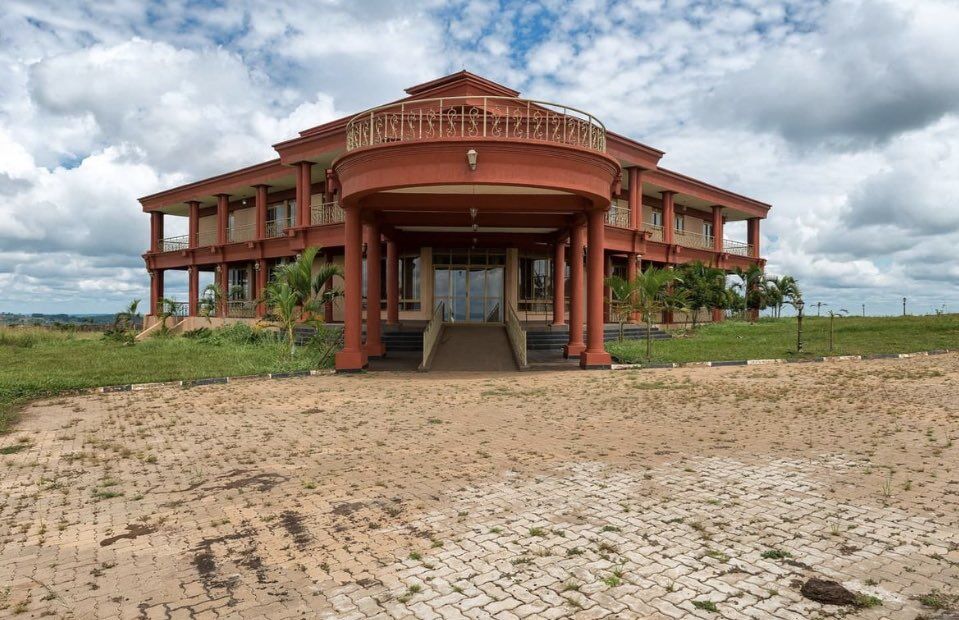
column 558, row 323
column 374, row 349
column 595, row 360
column 573, row 350
column 351, row 361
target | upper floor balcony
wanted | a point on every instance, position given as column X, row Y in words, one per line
column 476, row 117
column 619, row 215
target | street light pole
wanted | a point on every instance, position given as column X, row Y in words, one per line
column 799, row 307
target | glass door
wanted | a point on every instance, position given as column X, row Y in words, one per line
column 470, row 293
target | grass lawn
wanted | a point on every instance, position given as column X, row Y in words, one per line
column 776, row 338
column 36, row 363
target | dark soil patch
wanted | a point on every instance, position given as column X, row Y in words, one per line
column 262, row 482
column 134, row 530
column 827, row 592
column 293, row 524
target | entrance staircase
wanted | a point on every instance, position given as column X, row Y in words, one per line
column 479, row 347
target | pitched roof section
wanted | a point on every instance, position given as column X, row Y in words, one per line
column 461, row 83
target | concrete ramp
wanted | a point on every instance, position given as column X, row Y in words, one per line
column 473, row 347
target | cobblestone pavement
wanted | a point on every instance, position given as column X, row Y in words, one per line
column 712, row 493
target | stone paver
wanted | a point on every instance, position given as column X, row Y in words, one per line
column 554, row 495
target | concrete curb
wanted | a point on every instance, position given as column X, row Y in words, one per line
column 188, row 383
column 769, row 362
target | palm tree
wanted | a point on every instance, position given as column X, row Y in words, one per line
column 650, row 287
column 210, row 300
column 705, row 287
column 751, row 287
column 623, row 295
column 296, row 293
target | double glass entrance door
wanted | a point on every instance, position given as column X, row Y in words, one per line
column 472, row 294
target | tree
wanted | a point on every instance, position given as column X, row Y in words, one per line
column 705, row 287
column 295, row 294
column 167, row 308
column 650, row 287
column 210, row 300
column 779, row 292
column 125, row 323
column 751, row 287
column 623, row 295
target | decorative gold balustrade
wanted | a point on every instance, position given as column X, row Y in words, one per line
column 325, row 213
column 507, row 118
column 618, row 215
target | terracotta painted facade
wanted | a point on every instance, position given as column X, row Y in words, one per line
column 461, row 192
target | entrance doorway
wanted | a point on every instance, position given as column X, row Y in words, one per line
column 470, row 284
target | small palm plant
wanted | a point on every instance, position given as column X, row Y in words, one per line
column 650, row 287
column 623, row 298
column 210, row 300
column 295, row 294
column 167, row 308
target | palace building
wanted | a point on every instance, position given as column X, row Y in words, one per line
column 459, row 204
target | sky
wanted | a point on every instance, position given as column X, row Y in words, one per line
column 844, row 115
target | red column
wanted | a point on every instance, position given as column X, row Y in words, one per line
column 607, row 293
column 595, row 355
column 575, row 347
column 374, row 342
column 636, row 198
column 193, row 298
column 392, row 283
column 304, row 193
column 194, row 236
column 631, row 260
column 222, row 217
column 328, row 306
column 156, row 290
column 223, row 279
column 669, row 217
column 156, row 230
column 717, row 228
column 261, row 273
column 261, row 211
column 559, row 280
column 752, row 235
column 352, row 357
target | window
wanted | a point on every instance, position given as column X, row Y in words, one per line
column 708, row 229
column 410, row 282
column 239, row 278
column 279, row 216
column 680, row 222
column 657, row 218
column 535, row 284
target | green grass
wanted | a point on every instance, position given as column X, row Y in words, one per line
column 35, row 363
column 776, row 338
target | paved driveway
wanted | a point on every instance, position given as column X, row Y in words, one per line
column 714, row 493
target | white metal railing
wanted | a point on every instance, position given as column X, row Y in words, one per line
column 175, row 244
column 431, row 334
column 326, row 213
column 737, row 247
column 618, row 215
column 691, row 239
column 241, row 309
column 507, row 118
column 517, row 336
column 236, row 234
column 655, row 231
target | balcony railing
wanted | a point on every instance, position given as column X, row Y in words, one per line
column 618, row 215
column 655, row 231
column 737, row 247
column 206, row 238
column 237, row 234
column 241, row 309
column 175, row 244
column 276, row 228
column 326, row 213
column 505, row 118
column 692, row 240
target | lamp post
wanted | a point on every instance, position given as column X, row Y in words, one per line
column 800, row 304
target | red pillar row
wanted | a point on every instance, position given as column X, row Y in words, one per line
column 304, row 193
column 636, row 198
column 595, row 355
column 222, row 217
column 559, row 277
column 352, row 356
column 374, row 342
column 156, row 290
column 752, row 235
column 577, row 240
column 193, row 298
column 260, row 216
column 193, row 239
column 669, row 217
column 717, row 228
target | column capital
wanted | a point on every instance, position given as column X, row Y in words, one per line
column 668, row 192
